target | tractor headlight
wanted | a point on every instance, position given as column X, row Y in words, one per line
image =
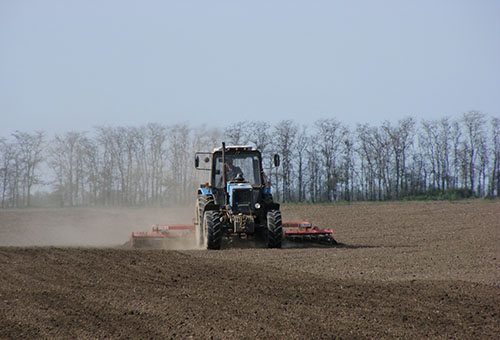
column 257, row 206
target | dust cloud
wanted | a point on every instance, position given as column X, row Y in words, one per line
column 85, row 227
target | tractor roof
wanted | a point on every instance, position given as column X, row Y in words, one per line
column 237, row 148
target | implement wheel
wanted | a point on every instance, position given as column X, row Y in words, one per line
column 212, row 229
column 274, row 229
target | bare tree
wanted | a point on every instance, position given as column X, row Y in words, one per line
column 382, row 147
column 418, row 174
column 331, row 135
column 68, row 157
column 90, row 153
column 495, row 170
column 313, row 168
column 285, row 138
column 30, row 153
column 428, row 140
column 8, row 163
column 141, row 167
column 348, row 168
column 180, row 161
column 375, row 149
column 457, row 153
column 157, row 135
column 236, row 133
column 301, row 149
column 401, row 138
column 473, row 122
column 257, row 133
column 367, row 153
column 60, row 160
column 482, row 151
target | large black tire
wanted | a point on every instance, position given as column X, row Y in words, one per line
column 274, row 229
column 212, row 229
column 201, row 203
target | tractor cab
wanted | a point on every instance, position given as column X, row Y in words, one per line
column 241, row 165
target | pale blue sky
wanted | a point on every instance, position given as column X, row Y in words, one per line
column 71, row 65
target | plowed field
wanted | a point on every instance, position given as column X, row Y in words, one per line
column 402, row 271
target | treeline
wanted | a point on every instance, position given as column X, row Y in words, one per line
column 322, row 162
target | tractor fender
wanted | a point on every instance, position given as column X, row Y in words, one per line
column 211, row 207
column 204, row 191
column 272, row 206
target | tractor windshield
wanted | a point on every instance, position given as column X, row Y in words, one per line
column 245, row 163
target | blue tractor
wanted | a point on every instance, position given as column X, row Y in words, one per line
column 237, row 202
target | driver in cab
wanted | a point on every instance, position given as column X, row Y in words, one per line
column 232, row 170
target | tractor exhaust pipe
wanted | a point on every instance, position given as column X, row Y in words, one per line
column 224, row 183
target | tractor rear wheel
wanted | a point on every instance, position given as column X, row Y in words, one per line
column 212, row 229
column 274, row 229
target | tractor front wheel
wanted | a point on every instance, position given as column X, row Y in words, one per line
column 212, row 229
column 274, row 229
column 201, row 203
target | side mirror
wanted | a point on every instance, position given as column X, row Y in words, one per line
column 276, row 160
column 205, row 159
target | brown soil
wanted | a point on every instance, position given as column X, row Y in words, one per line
column 402, row 271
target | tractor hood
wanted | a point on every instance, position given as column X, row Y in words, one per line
column 240, row 196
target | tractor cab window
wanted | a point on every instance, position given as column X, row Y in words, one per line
column 246, row 164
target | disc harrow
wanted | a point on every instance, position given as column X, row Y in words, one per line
column 306, row 232
column 161, row 235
